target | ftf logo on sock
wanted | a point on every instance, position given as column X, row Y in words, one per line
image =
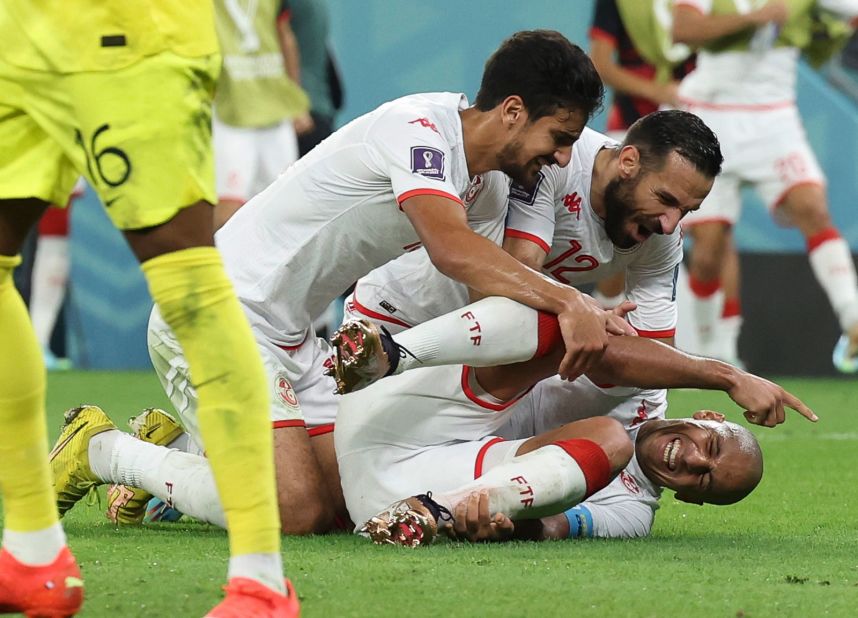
column 428, row 162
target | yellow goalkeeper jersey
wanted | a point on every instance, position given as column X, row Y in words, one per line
column 71, row 36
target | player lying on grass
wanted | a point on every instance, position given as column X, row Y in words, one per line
column 628, row 360
column 437, row 429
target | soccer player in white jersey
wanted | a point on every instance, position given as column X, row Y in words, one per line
column 437, row 429
column 744, row 88
column 382, row 185
column 615, row 208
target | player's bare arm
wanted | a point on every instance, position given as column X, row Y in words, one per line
column 614, row 75
column 650, row 364
column 692, row 27
column 463, row 255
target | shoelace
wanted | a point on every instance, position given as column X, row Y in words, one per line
column 440, row 513
column 394, row 351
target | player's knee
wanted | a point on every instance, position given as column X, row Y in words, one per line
column 612, row 437
column 309, row 515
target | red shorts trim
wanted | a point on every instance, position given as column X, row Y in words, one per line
column 592, row 460
column 478, row 464
column 656, row 334
column 320, row 430
column 736, row 107
column 374, row 314
column 232, row 198
column 782, row 197
column 510, row 233
column 289, row 423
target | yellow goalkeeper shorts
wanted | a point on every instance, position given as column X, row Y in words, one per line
column 141, row 135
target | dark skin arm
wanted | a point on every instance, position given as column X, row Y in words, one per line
column 461, row 254
column 636, row 361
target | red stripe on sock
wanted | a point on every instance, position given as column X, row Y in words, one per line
column 822, row 237
column 547, row 334
column 592, row 460
column 732, row 308
column 703, row 289
column 478, row 464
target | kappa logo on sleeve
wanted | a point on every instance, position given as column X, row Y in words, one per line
column 428, row 162
column 521, row 194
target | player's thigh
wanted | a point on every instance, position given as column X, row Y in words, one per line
column 237, row 159
column 33, row 163
column 322, row 440
column 305, row 503
column 144, row 133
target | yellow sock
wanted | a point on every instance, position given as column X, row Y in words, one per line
column 25, row 476
column 198, row 302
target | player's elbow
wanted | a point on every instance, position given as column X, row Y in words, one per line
column 451, row 260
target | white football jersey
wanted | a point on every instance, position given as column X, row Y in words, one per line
column 557, row 215
column 410, row 290
column 335, row 214
column 626, row 507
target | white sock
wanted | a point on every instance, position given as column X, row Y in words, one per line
column 707, row 313
column 182, row 480
column 832, row 265
column 543, row 482
column 492, row 331
column 50, row 275
column 264, row 568
column 35, row 548
column 726, row 344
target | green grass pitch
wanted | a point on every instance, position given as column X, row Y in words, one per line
column 791, row 549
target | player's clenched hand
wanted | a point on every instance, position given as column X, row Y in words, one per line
column 764, row 401
column 473, row 522
column 584, row 328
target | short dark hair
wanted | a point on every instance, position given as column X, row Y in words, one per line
column 546, row 71
column 658, row 134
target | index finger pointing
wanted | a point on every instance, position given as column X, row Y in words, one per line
column 796, row 404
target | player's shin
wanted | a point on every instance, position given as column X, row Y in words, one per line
column 25, row 477
column 707, row 305
column 492, row 331
column 198, row 302
column 833, row 268
column 182, row 480
column 543, row 482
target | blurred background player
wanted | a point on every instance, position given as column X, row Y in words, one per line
column 259, row 105
column 50, row 277
column 633, row 51
column 149, row 159
column 744, row 88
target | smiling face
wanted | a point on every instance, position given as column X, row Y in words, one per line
column 640, row 202
column 533, row 144
column 709, row 461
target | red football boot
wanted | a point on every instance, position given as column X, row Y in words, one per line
column 247, row 598
column 51, row 591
